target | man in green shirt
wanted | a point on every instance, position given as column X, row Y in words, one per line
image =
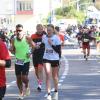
column 20, row 46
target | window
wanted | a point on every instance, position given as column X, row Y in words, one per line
column 24, row 5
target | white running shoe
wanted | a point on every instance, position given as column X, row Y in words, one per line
column 49, row 97
column 21, row 97
column 27, row 92
column 55, row 96
column 39, row 88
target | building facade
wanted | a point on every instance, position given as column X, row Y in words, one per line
column 26, row 12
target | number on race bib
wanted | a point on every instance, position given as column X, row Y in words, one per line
column 19, row 62
column 86, row 40
column 49, row 51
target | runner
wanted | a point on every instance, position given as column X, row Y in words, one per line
column 78, row 36
column 98, row 40
column 86, row 39
column 5, row 62
column 51, row 58
column 37, row 55
column 61, row 36
column 20, row 47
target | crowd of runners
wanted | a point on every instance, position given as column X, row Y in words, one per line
column 44, row 47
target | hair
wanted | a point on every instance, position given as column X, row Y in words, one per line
column 39, row 25
column 57, row 28
column 19, row 25
column 51, row 25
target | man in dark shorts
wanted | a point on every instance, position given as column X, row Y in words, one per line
column 37, row 54
column 20, row 46
column 86, row 39
column 5, row 62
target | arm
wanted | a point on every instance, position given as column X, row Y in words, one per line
column 30, row 42
column 2, row 63
column 5, row 63
column 12, row 48
column 57, row 48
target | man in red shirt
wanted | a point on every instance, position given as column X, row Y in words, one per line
column 37, row 54
column 5, row 62
column 61, row 36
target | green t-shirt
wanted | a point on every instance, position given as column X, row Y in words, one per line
column 21, row 49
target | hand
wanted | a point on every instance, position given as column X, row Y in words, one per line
column 50, row 41
column 28, row 38
column 28, row 55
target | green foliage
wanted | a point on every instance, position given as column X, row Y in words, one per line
column 69, row 12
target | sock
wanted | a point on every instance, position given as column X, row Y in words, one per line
column 55, row 90
column 48, row 93
column 39, row 82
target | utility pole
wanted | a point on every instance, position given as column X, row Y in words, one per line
column 94, row 2
column 50, row 9
column 77, row 4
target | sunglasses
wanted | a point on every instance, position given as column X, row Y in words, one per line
column 18, row 30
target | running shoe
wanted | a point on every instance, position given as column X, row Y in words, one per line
column 84, row 56
column 55, row 96
column 21, row 97
column 27, row 92
column 39, row 88
column 49, row 97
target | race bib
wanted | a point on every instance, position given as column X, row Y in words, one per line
column 19, row 62
column 49, row 51
column 86, row 40
column 38, row 43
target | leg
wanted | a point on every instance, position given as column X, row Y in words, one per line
column 84, row 50
column 40, row 76
column 36, row 72
column 19, row 84
column 40, row 73
column 55, row 75
column 25, row 79
column 0, row 98
column 19, row 78
column 2, row 92
column 99, row 46
column 88, row 50
column 38, row 65
column 47, row 69
column 55, row 71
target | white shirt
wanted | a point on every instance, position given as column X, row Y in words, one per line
column 50, row 53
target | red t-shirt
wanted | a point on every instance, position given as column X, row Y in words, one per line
column 61, row 36
column 4, row 55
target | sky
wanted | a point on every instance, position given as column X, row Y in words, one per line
column 44, row 6
column 6, row 7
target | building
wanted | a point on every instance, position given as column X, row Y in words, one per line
column 26, row 12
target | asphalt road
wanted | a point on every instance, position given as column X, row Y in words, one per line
column 78, row 79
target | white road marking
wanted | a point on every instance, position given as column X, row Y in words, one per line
column 11, row 84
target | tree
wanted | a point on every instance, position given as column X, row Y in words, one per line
column 69, row 12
